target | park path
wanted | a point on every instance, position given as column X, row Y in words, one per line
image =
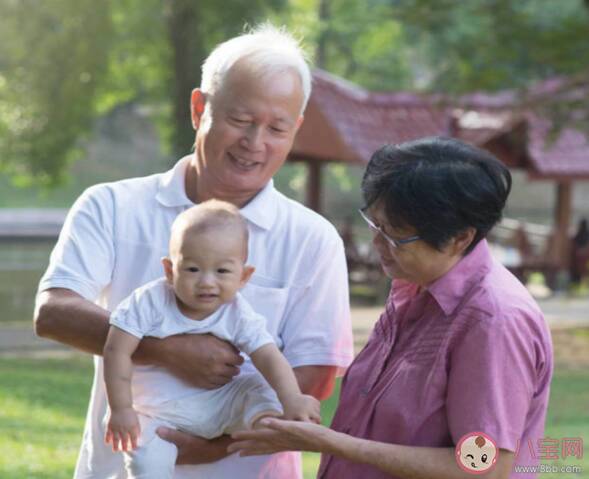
column 562, row 313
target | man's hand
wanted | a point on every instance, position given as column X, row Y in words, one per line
column 194, row 449
column 201, row 360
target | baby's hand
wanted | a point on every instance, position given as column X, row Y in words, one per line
column 302, row 407
column 122, row 429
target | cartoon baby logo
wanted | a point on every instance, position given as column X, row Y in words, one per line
column 476, row 453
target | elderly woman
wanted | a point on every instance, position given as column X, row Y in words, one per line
column 461, row 349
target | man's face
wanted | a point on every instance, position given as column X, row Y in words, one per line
column 206, row 270
column 246, row 130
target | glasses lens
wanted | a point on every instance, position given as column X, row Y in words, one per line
column 378, row 229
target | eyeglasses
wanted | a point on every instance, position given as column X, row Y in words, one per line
column 395, row 243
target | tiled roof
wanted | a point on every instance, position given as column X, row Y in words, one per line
column 346, row 123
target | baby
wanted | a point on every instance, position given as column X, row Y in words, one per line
column 198, row 295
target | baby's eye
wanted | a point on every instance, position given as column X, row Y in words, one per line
column 192, row 269
column 223, row 271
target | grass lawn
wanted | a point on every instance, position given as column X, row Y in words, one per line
column 43, row 404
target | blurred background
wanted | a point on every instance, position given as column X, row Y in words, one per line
column 98, row 91
column 95, row 91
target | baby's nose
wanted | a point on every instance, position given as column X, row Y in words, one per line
column 207, row 279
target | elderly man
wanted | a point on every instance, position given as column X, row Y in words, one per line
column 246, row 114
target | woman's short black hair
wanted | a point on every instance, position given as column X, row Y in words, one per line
column 439, row 186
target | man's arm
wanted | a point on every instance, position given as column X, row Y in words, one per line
column 202, row 360
column 317, row 381
column 66, row 317
column 317, row 331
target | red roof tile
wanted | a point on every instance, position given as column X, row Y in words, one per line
column 346, row 123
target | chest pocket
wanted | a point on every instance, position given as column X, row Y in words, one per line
column 268, row 298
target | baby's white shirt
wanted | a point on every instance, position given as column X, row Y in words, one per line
column 152, row 310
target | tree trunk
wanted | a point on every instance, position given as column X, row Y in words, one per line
column 188, row 53
column 321, row 52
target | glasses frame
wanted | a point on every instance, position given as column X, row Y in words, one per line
column 395, row 243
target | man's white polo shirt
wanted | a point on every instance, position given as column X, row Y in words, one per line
column 112, row 242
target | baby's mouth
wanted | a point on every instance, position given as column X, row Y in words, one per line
column 206, row 296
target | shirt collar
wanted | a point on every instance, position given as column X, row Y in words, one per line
column 261, row 210
column 172, row 188
column 450, row 289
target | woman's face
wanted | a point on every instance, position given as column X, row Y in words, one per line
column 416, row 262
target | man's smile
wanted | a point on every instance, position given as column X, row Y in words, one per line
column 242, row 163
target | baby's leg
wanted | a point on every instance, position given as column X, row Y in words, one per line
column 154, row 458
column 253, row 399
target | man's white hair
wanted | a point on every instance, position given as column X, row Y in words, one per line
column 268, row 49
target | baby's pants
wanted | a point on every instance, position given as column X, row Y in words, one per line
column 207, row 414
column 154, row 457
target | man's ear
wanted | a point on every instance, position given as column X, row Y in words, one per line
column 463, row 239
column 246, row 274
column 197, row 107
column 299, row 123
column 168, row 269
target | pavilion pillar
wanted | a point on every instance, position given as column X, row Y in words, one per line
column 562, row 218
column 314, row 185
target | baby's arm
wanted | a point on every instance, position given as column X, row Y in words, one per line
column 275, row 368
column 123, row 425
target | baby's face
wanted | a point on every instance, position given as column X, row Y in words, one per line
column 476, row 454
column 207, row 271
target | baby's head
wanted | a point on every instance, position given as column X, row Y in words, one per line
column 206, row 263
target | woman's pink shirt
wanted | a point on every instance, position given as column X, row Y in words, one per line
column 471, row 353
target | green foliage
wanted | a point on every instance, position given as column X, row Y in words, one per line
column 52, row 57
column 65, row 62
column 495, row 44
column 137, row 56
column 363, row 42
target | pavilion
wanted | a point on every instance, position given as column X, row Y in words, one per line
column 345, row 123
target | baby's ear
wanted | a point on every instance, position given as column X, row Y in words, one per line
column 168, row 269
column 246, row 274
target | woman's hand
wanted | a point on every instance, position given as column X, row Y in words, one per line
column 278, row 435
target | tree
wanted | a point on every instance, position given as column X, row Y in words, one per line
column 63, row 62
column 50, row 65
column 496, row 44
